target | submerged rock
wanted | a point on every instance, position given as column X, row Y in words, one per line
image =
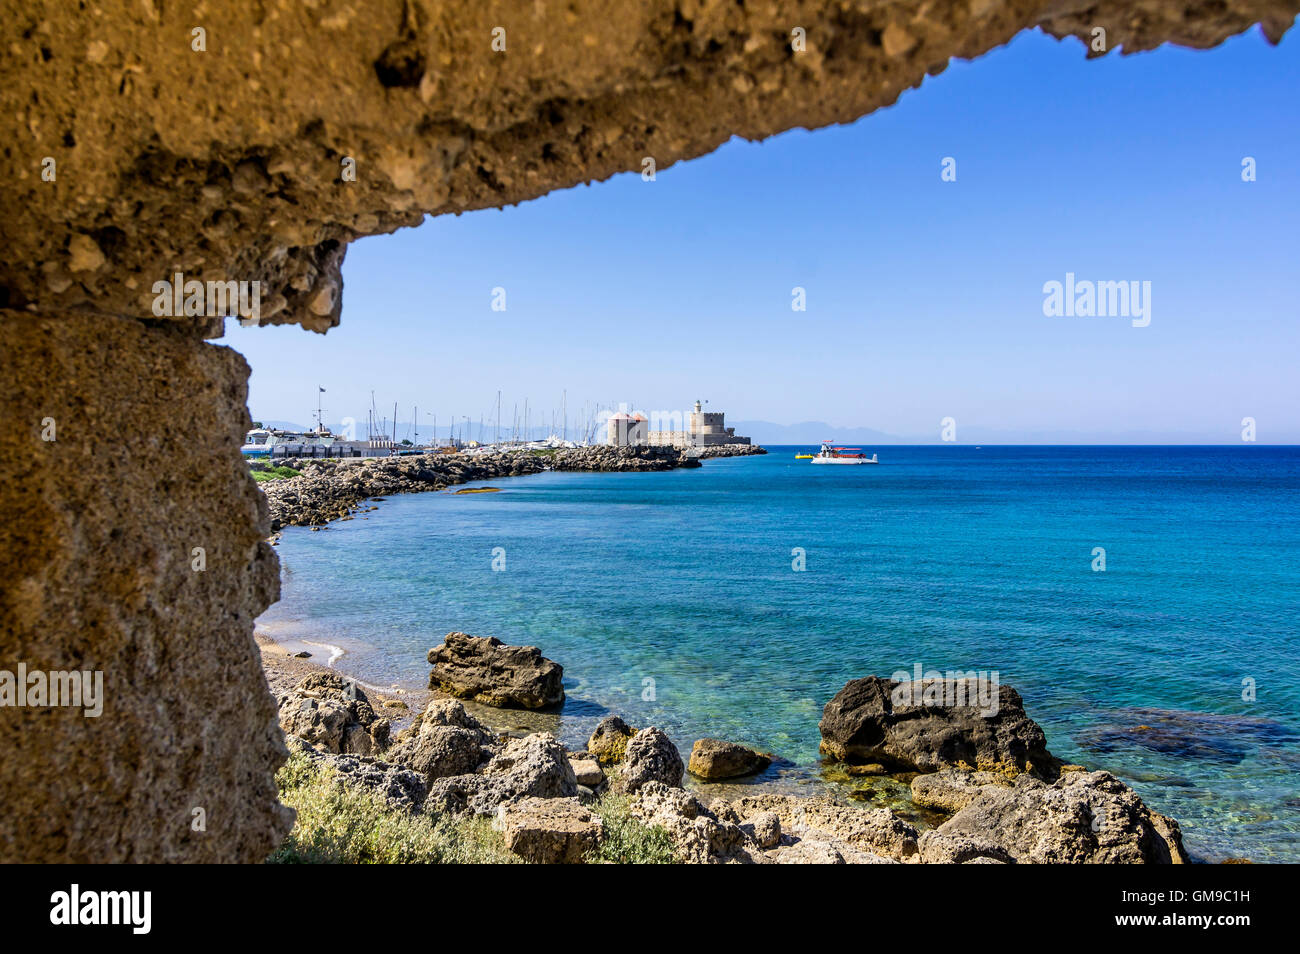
column 651, row 757
column 716, row 759
column 933, row 725
column 1203, row 736
column 1081, row 818
column 486, row 670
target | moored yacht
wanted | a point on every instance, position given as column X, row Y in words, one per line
column 831, row 454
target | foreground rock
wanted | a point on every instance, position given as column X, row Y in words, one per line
column 925, row 727
column 1082, row 818
column 551, row 830
column 445, row 741
column 699, row 836
column 651, row 757
column 716, row 759
column 846, row 830
column 952, row 789
column 334, row 714
column 534, row 766
column 486, row 670
column 399, row 787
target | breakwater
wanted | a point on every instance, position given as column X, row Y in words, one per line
column 330, row 489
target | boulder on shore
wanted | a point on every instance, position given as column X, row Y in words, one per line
column 1081, row 818
column 399, row 787
column 651, row 757
column 551, row 830
column 447, row 741
column 334, row 714
column 534, row 766
column 931, row 725
column 486, row 670
column 608, row 743
column 952, row 789
column 716, row 759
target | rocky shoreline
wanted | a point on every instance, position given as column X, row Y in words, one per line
column 333, row 488
column 999, row 796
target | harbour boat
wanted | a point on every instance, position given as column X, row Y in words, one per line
column 831, row 454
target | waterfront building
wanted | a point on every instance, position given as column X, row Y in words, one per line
column 626, row 429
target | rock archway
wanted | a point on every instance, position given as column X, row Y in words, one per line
column 251, row 141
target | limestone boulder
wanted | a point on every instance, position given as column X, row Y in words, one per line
column 716, row 759
column 486, row 670
column 534, row 766
column 651, row 757
column 764, row 829
column 550, row 830
column 399, row 787
column 952, row 789
column 334, row 714
column 847, row 828
column 588, row 772
column 447, row 741
column 608, row 743
column 932, row 725
column 1081, row 818
column 699, row 836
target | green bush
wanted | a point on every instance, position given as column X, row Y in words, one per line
column 279, row 472
column 628, row 841
column 342, row 823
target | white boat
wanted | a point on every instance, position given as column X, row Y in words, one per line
column 831, row 454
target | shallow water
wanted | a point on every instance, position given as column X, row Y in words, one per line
column 670, row 598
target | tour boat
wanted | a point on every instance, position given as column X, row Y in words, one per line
column 830, row 454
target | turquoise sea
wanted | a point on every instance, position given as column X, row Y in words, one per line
column 672, row 599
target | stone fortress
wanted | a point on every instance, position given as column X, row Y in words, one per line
column 703, row 429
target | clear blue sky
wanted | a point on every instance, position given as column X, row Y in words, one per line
column 925, row 298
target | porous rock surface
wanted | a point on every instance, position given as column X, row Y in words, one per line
column 650, row 757
column 486, row 670
column 135, row 149
column 1082, row 818
column 98, row 530
column 230, row 162
column 908, row 725
column 446, row 740
column 608, row 742
column 551, row 830
column 717, row 759
column 333, row 714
